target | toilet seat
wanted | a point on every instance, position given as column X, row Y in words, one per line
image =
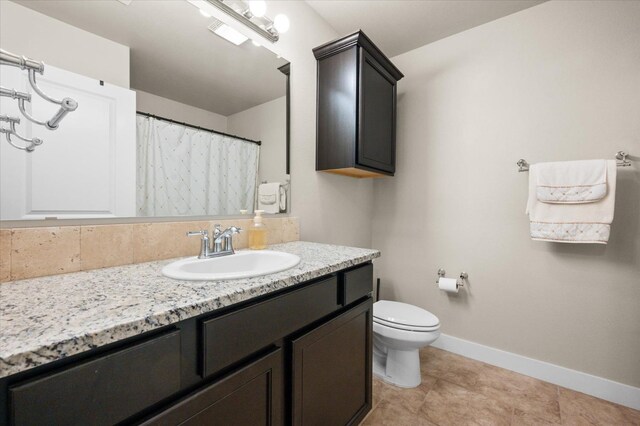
column 403, row 316
column 405, row 327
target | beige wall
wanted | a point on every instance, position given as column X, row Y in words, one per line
column 559, row 81
column 331, row 208
column 267, row 123
column 32, row 34
column 153, row 104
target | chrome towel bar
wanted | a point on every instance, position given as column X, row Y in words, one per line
column 621, row 156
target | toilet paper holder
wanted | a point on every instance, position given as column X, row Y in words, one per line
column 463, row 276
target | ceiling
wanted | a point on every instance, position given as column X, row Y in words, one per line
column 398, row 26
column 174, row 55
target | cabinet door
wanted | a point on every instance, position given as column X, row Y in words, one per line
column 250, row 396
column 377, row 110
column 332, row 370
column 337, row 110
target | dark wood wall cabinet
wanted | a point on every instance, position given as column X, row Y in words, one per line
column 299, row 356
column 356, row 108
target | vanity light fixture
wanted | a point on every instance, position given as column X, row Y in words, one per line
column 258, row 8
column 252, row 15
column 281, row 23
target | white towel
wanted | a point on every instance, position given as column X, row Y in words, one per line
column 283, row 199
column 269, row 197
column 572, row 222
column 572, row 181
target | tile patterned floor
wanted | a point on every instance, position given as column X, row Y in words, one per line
column 460, row 391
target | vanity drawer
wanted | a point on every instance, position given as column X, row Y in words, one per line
column 357, row 283
column 231, row 337
column 103, row 391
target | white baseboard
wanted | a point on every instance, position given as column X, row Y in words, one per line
column 582, row 382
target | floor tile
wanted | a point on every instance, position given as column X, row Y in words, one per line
column 459, row 391
column 436, row 362
column 464, row 372
column 450, row 367
column 632, row 415
column 520, row 418
column 391, row 414
column 408, row 399
column 451, row 404
column 377, row 387
column 529, row 395
column 580, row 409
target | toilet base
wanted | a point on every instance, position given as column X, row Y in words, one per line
column 397, row 367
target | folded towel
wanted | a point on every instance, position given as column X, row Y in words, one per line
column 269, row 197
column 572, row 181
column 572, row 222
column 283, row 200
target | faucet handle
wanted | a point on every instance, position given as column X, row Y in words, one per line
column 216, row 230
column 227, row 243
column 202, row 233
column 204, row 243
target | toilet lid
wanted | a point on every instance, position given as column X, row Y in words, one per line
column 403, row 315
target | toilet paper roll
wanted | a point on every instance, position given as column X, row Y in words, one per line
column 450, row 285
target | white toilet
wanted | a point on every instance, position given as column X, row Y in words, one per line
column 399, row 331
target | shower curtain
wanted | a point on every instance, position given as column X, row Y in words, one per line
column 182, row 171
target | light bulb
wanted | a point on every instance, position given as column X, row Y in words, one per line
column 255, row 43
column 258, row 8
column 205, row 13
column 281, row 23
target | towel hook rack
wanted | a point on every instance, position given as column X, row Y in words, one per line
column 32, row 143
column 621, row 156
column 67, row 105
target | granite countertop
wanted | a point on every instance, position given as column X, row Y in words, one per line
column 49, row 318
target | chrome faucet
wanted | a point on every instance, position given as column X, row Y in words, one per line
column 221, row 245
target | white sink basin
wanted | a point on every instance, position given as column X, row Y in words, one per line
column 242, row 264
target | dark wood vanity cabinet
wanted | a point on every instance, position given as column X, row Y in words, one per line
column 356, row 108
column 299, row 356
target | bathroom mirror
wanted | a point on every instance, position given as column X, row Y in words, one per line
column 178, row 115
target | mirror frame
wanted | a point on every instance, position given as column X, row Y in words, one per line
column 286, row 70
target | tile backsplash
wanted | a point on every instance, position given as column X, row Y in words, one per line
column 36, row 252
